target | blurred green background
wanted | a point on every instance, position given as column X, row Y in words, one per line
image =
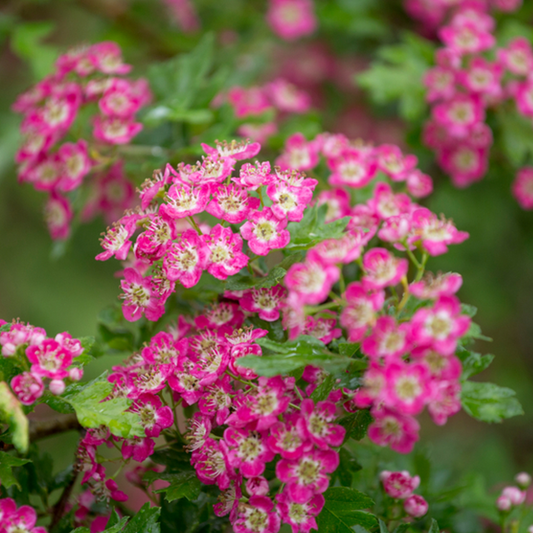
column 66, row 293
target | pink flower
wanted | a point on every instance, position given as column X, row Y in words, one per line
column 252, row 177
column 386, row 204
column 232, row 203
column 300, row 516
column 387, row 340
column 287, row 97
column 49, row 359
column 265, row 302
column 115, row 130
column 107, row 58
column 382, row 269
column 257, row 516
column 120, row 99
column 216, row 400
column 393, row 163
column 58, row 214
column 360, row 311
column 440, row 82
column 184, row 201
column 289, row 201
column 431, row 288
column 433, row 233
column 465, row 163
column 211, row 464
column 372, row 389
column 299, row 154
column 323, row 328
column 419, row 184
column 250, row 101
column 306, row 476
column 517, row 57
column 399, row 485
column 186, row 260
column 466, row 38
column 74, row 164
column 247, row 451
column 459, row 115
column 153, row 415
column 18, row 335
column 235, row 149
column 139, row 297
column 265, row 232
column 21, row 520
column 407, row 387
column 291, row 19
column 352, row 167
column 415, row 506
column 393, row 429
column 139, row 449
column 225, row 256
column 286, row 439
column 441, row 325
column 445, row 397
column 28, row 387
column 336, row 251
column 338, row 202
column 311, row 280
column 316, row 424
column 483, row 77
column 522, row 188
column 258, row 132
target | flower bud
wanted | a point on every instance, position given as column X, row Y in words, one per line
column 76, row 373
column 515, row 495
column 523, row 479
column 415, row 506
column 503, row 503
column 57, row 386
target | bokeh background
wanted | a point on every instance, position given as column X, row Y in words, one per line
column 66, row 291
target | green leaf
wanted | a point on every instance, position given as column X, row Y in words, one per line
column 434, row 528
column 348, row 348
column 26, row 42
column 313, row 228
column 11, row 412
column 348, row 465
column 7, row 462
column 488, row 402
column 517, row 136
column 474, row 332
column 117, row 528
column 469, row 310
column 343, row 510
column 473, row 363
column 397, row 76
column 305, row 350
column 182, row 485
column 92, row 411
column 356, row 424
column 382, row 527
column 242, row 283
column 146, row 520
column 323, row 390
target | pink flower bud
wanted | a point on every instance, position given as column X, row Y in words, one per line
column 523, row 479
column 57, row 386
column 76, row 373
column 415, row 506
column 514, row 494
column 503, row 503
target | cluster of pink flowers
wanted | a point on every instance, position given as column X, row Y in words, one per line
column 21, row 520
column 278, row 96
column 412, row 360
column 83, row 77
column 174, row 252
column 291, row 19
column 513, row 496
column 42, row 358
column 433, row 13
column 400, row 486
column 465, row 84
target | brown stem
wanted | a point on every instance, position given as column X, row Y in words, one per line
column 59, row 507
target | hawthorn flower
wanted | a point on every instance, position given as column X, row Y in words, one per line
column 187, row 259
column 407, row 387
column 445, row 399
column 28, row 387
column 184, row 201
column 382, row 269
column 415, row 506
column 247, row 451
column 74, row 164
column 352, row 168
column 393, row 429
column 264, row 231
column 386, row 204
column 232, row 203
column 225, row 257
column 396, row 165
column 522, row 188
column 139, row 297
column 21, row 520
column 211, row 464
column 291, row 19
column 517, row 57
column 235, row 149
column 399, row 485
column 300, row 516
column 316, row 424
column 306, row 476
column 337, row 201
column 257, row 516
column 58, row 214
column 115, row 242
column 440, row 326
column 153, row 415
column 266, row 302
column 287, row 97
column 139, row 449
column 115, row 130
column 49, row 359
column 287, row 439
column 322, row 328
column 388, row 340
column 459, row 115
column 299, row 154
column 252, row 177
column 432, row 287
column 288, row 201
column 311, row 280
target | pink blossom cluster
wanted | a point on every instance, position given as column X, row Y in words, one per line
column 400, row 486
column 83, row 78
column 42, row 358
column 433, row 13
column 184, row 14
column 514, row 496
column 279, row 97
column 21, row 520
column 291, row 19
column 172, row 248
column 465, row 84
column 412, row 362
column 236, row 431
